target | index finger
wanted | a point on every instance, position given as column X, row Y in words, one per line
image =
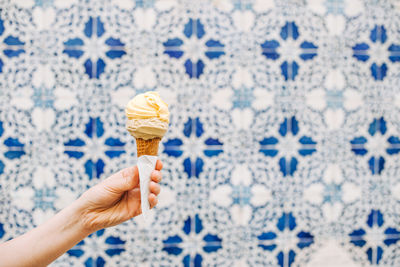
column 159, row 165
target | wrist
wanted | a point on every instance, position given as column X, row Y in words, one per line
column 78, row 212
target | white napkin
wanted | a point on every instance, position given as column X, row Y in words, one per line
column 146, row 164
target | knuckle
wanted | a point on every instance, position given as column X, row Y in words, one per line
column 157, row 176
column 126, row 175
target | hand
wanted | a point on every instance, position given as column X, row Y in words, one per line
column 117, row 198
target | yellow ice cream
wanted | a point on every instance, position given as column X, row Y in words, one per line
column 148, row 116
column 146, row 106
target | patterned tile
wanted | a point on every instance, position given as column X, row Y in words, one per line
column 283, row 148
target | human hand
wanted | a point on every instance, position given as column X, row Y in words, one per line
column 117, row 199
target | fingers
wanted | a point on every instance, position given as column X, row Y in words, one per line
column 131, row 177
column 156, row 176
column 159, row 165
column 123, row 180
column 152, row 200
column 154, row 188
column 154, row 191
column 128, row 178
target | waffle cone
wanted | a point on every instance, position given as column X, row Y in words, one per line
column 147, row 147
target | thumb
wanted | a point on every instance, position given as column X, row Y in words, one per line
column 124, row 180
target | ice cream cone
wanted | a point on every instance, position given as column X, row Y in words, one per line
column 148, row 120
column 147, row 147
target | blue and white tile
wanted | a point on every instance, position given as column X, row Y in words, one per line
column 284, row 139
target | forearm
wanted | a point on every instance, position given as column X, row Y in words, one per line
column 42, row 245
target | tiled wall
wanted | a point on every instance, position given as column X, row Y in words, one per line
column 284, row 143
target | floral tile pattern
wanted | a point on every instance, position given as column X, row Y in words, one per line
column 284, row 143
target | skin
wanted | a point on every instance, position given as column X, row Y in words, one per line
column 111, row 202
